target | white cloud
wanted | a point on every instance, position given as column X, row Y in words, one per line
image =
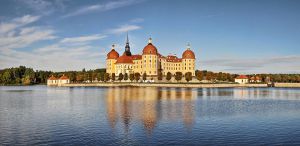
column 124, row 28
column 58, row 59
column 16, row 34
column 83, row 39
column 102, row 7
column 16, row 23
column 71, row 53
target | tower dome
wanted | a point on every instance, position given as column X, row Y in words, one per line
column 188, row 53
column 113, row 54
column 150, row 48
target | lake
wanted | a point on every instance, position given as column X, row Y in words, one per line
column 41, row 115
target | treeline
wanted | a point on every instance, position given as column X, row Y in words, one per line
column 215, row 77
column 211, row 76
column 22, row 76
column 27, row 76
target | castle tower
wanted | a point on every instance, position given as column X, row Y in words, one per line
column 188, row 60
column 111, row 59
column 150, row 59
column 127, row 47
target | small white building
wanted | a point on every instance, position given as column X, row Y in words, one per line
column 242, row 79
column 53, row 81
column 63, row 80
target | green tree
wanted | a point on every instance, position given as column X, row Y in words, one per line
column 137, row 76
column 120, row 77
column 188, row 76
column 199, row 75
column 126, row 77
column 7, row 77
column 160, row 76
column 79, row 78
column 113, row 76
column 144, row 76
column 169, row 76
column 131, row 77
column 106, row 77
column 178, row 76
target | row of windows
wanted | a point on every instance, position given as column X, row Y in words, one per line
column 175, row 68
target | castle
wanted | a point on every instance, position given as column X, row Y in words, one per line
column 150, row 62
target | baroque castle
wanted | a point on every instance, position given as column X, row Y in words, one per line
column 150, row 62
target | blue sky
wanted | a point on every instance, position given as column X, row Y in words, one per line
column 237, row 36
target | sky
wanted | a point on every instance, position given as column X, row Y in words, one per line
column 236, row 36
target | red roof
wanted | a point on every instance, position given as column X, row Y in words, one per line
column 52, row 78
column 63, row 77
column 113, row 54
column 242, row 77
column 172, row 58
column 136, row 57
column 150, row 49
column 124, row 59
column 188, row 54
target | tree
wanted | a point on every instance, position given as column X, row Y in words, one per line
column 126, row 77
column 102, row 77
column 160, row 76
column 120, row 77
column 188, row 76
column 131, row 77
column 113, row 76
column 106, row 77
column 137, row 76
column 209, row 76
column 79, row 78
column 86, row 76
column 169, row 76
column 178, row 76
column 199, row 75
column 26, row 80
column 144, row 76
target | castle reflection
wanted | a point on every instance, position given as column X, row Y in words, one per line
column 149, row 106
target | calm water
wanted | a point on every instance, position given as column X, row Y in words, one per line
column 40, row 115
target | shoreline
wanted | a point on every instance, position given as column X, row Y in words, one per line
column 172, row 85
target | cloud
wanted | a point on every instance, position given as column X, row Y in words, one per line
column 44, row 7
column 279, row 64
column 16, row 34
column 102, row 7
column 59, row 59
column 124, row 28
column 17, row 22
column 83, row 39
column 70, row 53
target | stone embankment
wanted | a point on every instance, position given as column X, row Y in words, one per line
column 287, row 85
column 163, row 85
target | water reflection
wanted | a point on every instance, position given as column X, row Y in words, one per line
column 149, row 105
column 128, row 105
column 38, row 115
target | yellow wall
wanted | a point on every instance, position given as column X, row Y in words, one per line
column 110, row 66
column 150, row 64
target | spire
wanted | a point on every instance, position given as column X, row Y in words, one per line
column 127, row 40
column 188, row 46
column 127, row 47
column 113, row 46
column 150, row 41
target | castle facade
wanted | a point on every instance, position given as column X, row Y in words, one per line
column 150, row 61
